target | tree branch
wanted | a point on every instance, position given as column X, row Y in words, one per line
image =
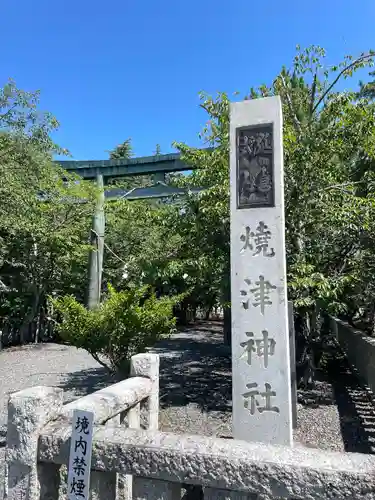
column 290, row 106
column 313, row 90
column 3, row 287
column 108, row 248
column 5, row 115
column 343, row 185
column 104, row 365
column 358, row 60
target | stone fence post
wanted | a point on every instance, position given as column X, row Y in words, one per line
column 31, row 409
column 142, row 365
column 28, row 412
column 147, row 365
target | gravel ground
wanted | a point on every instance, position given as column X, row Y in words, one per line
column 195, row 390
column 196, row 397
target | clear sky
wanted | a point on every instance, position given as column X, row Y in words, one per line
column 114, row 69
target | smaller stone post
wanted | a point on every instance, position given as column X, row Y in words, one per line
column 147, row 365
column 28, row 412
column 141, row 365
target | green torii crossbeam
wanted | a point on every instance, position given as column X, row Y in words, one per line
column 123, row 167
column 157, row 166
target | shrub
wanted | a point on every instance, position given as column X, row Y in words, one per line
column 125, row 323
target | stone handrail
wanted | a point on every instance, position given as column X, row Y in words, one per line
column 41, row 408
column 111, row 401
column 130, row 463
column 165, row 460
column 359, row 349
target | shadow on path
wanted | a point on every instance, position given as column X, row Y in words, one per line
column 356, row 410
column 339, row 386
column 195, row 368
column 83, row 382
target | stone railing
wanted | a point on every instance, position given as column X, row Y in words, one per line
column 359, row 349
column 131, row 463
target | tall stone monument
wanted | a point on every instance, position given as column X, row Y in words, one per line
column 260, row 335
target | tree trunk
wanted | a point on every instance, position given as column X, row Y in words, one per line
column 25, row 327
column 228, row 326
column 37, row 330
column 226, row 295
column 372, row 331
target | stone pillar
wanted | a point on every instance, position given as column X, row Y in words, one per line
column 147, row 365
column 293, row 370
column 141, row 365
column 260, row 336
column 28, row 412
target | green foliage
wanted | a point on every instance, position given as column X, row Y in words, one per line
column 123, row 150
column 126, row 323
column 367, row 89
column 329, row 151
column 207, row 218
column 20, row 116
column 153, row 244
column 43, row 227
column 183, row 247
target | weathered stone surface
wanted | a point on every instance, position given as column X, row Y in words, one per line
column 125, row 481
column 260, row 340
column 109, row 402
column 28, row 411
column 134, row 417
column 360, row 349
column 147, row 365
column 269, row 471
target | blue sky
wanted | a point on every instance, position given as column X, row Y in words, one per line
column 114, row 69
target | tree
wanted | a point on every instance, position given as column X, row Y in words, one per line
column 208, row 212
column 330, row 134
column 123, row 150
column 20, row 116
column 43, row 230
column 157, row 150
column 126, row 323
column 368, row 89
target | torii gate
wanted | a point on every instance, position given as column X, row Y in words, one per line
column 157, row 166
column 102, row 171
